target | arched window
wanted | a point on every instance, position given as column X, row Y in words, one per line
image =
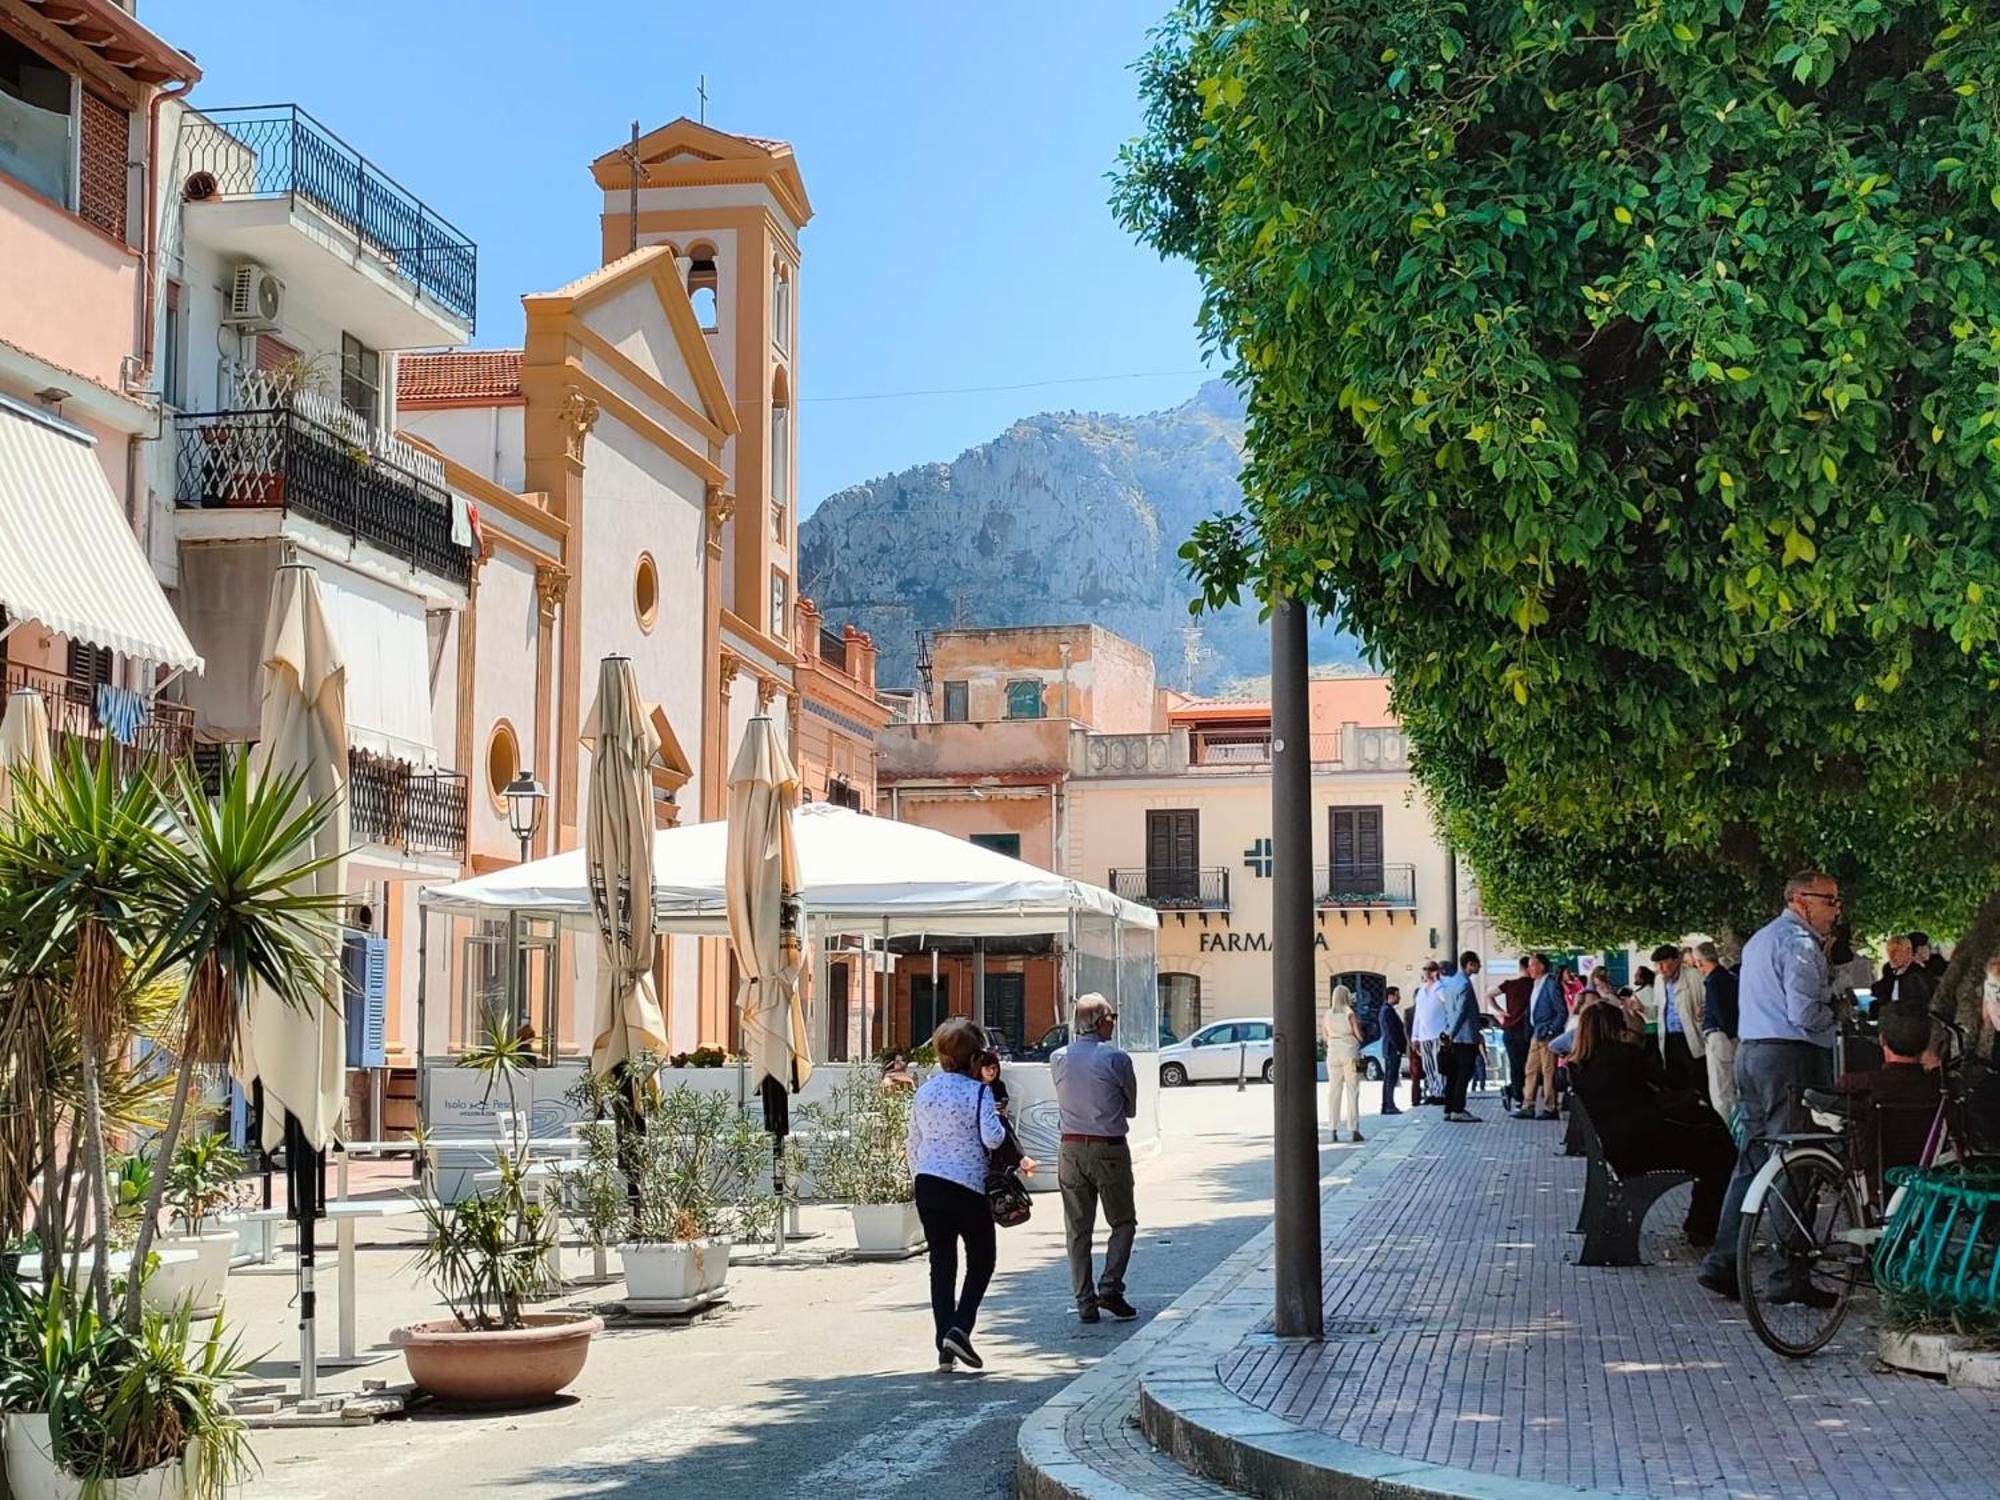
column 1367, row 989
column 781, row 306
column 1180, row 1003
column 704, row 285
column 781, row 440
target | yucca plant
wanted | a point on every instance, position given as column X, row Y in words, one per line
column 73, row 866
column 228, row 883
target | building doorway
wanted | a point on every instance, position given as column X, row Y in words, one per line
column 930, row 1003
column 1368, row 989
column 836, row 1012
column 1180, row 1005
column 1006, row 1008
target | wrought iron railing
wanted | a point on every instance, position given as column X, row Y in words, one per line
column 394, row 803
column 280, row 151
column 1174, row 887
column 75, row 711
column 389, row 802
column 276, row 458
column 1393, row 887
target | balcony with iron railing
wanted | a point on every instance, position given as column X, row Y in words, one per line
column 1365, row 887
column 279, row 152
column 1174, row 887
column 390, row 803
column 80, row 710
column 278, row 458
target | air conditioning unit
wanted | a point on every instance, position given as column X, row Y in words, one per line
column 256, row 299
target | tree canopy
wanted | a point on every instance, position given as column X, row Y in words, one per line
column 1627, row 376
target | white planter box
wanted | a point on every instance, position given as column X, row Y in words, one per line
column 32, row 1472
column 1919, row 1353
column 886, row 1229
column 201, row 1282
column 675, row 1278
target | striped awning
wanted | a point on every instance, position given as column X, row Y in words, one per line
column 67, row 557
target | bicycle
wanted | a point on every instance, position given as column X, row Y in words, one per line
column 1813, row 1215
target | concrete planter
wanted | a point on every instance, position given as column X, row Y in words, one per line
column 34, row 1474
column 1918, row 1353
column 886, row 1229
column 678, row 1277
column 1973, row 1369
column 499, row 1368
column 199, row 1282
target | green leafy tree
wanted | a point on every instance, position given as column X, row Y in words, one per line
column 1628, row 377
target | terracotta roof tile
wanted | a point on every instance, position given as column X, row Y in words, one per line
column 467, row 376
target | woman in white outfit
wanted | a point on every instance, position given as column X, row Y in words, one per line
column 1342, row 1029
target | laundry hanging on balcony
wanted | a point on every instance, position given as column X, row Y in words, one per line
column 121, row 713
column 68, row 559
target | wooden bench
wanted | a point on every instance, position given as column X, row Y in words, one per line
column 1614, row 1207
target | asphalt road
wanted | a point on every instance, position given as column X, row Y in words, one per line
column 818, row 1381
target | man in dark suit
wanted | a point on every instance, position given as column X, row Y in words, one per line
column 1904, row 977
column 1395, row 1045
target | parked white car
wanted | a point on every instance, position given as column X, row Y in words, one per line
column 1217, row 1051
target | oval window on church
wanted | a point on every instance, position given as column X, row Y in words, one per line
column 646, row 592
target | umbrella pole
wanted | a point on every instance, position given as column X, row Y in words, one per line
column 420, row 1159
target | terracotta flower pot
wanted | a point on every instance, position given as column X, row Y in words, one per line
column 499, row 1367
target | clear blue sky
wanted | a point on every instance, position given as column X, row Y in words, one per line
column 956, row 155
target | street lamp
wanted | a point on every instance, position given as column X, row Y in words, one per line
column 525, row 798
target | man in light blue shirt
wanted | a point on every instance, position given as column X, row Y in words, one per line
column 1098, row 1094
column 1785, row 1031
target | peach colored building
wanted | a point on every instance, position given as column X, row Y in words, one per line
column 82, row 618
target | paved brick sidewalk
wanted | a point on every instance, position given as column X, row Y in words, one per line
column 1489, row 1353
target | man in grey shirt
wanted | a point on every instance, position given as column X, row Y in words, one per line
column 1098, row 1092
column 1785, row 1030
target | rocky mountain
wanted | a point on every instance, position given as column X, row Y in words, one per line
column 1066, row 516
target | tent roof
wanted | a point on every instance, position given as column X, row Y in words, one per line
column 860, row 874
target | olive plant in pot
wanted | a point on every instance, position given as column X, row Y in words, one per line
column 700, row 1171
column 204, row 1182
column 857, row 1151
column 489, row 1256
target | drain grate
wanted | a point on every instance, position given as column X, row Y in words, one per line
column 1336, row 1328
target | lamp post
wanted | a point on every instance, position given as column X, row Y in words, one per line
column 526, row 798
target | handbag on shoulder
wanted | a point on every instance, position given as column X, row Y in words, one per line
column 1006, row 1195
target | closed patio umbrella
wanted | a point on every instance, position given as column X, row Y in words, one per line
column 760, row 885
column 618, row 863
column 299, row 1055
column 24, row 741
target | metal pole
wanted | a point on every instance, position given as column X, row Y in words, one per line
column 1295, row 1166
column 1451, row 948
column 979, row 982
column 421, row 1157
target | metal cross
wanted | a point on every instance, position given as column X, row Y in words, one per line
column 1258, row 858
column 701, row 92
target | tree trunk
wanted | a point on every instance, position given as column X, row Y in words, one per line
column 156, row 1195
column 99, row 1185
column 1959, row 992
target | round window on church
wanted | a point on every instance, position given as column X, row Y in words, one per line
column 646, row 592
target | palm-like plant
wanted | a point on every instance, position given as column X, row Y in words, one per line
column 73, row 865
column 228, row 885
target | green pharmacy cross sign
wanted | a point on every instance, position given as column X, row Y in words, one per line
column 1257, row 859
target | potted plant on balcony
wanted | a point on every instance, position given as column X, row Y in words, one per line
column 489, row 1256
column 203, row 1183
column 695, row 1188
column 857, row 1150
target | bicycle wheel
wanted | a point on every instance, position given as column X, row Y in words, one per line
column 1800, row 1255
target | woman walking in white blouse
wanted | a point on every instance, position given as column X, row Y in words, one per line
column 953, row 1126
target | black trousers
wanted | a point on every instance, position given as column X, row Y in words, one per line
column 1392, row 1066
column 1516, row 1038
column 951, row 1213
column 1683, row 1072
column 1459, row 1059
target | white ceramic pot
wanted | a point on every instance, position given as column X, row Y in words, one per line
column 886, row 1228
column 202, row 1283
column 675, row 1273
column 33, row 1474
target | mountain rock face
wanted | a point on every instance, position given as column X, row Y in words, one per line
column 1065, row 517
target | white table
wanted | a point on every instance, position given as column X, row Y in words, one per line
column 344, row 1213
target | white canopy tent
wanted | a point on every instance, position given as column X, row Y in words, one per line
column 858, row 874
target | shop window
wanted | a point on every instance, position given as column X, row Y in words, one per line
column 1180, row 1005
